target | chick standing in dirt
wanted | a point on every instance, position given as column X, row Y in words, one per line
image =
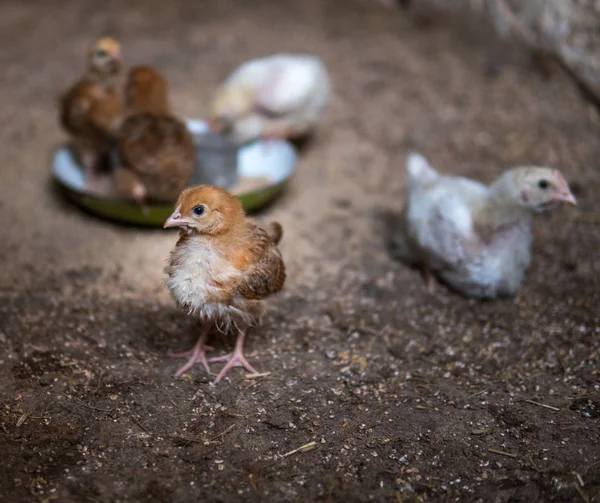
column 476, row 238
column 280, row 96
column 90, row 110
column 156, row 153
column 221, row 269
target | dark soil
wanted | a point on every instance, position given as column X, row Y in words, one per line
column 406, row 395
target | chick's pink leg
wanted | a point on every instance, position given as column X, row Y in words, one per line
column 270, row 136
column 276, row 133
column 89, row 162
column 197, row 353
column 430, row 281
column 235, row 359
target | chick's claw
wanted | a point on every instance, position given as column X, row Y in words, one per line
column 196, row 354
column 235, row 359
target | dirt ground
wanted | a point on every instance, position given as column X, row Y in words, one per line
column 406, row 395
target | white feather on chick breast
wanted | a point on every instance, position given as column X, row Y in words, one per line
column 476, row 238
column 279, row 96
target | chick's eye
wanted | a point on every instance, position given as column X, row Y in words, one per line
column 101, row 53
column 543, row 184
column 198, row 210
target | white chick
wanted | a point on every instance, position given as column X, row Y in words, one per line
column 477, row 239
column 280, row 96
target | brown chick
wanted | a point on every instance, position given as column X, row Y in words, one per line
column 221, row 269
column 90, row 110
column 156, row 151
column 146, row 90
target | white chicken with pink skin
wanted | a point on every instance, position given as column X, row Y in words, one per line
column 475, row 238
column 276, row 97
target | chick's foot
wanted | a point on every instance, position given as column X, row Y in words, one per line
column 196, row 354
column 235, row 359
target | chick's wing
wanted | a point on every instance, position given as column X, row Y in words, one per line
column 440, row 224
column 262, row 266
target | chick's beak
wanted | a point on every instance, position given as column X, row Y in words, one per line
column 175, row 220
column 567, row 198
column 565, row 195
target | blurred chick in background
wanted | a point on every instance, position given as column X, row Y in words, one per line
column 156, row 152
column 146, row 90
column 475, row 238
column 221, row 269
column 91, row 109
column 280, row 96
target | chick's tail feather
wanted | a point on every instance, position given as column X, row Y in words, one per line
column 275, row 230
column 419, row 171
